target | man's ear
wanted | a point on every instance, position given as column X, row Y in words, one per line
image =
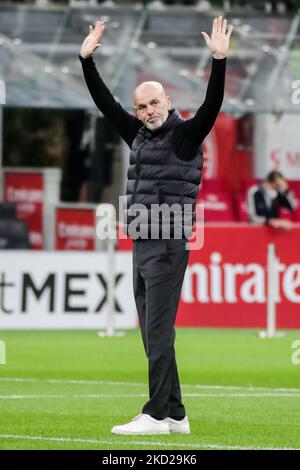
column 169, row 102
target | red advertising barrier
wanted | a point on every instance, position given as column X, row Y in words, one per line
column 218, row 206
column 26, row 190
column 34, row 191
column 75, row 228
column 226, row 281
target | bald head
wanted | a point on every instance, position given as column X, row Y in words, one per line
column 151, row 104
column 148, row 88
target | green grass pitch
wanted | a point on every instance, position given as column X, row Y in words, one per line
column 66, row 389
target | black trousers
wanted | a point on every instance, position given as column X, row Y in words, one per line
column 158, row 273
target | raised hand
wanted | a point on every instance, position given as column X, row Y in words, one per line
column 92, row 41
column 218, row 43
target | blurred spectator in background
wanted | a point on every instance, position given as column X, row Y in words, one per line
column 88, row 165
column 269, row 6
column 281, row 7
column 75, row 171
column 266, row 200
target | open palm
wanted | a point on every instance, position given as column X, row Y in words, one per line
column 92, row 41
column 218, row 43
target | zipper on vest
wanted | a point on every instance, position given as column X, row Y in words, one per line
column 138, row 158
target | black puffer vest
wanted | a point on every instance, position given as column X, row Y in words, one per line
column 157, row 178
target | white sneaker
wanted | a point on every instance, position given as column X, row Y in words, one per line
column 143, row 424
column 180, row 427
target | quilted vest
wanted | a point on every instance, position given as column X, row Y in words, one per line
column 161, row 189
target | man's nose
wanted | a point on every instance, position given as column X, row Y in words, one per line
column 150, row 109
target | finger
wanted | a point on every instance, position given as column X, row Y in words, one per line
column 91, row 29
column 224, row 26
column 101, row 27
column 206, row 37
column 230, row 29
column 98, row 26
column 100, row 32
column 219, row 24
column 215, row 26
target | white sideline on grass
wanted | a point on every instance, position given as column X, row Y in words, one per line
column 202, row 445
column 143, row 395
column 140, row 384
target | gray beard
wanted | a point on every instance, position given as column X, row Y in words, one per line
column 155, row 125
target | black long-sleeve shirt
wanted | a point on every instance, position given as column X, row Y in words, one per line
column 189, row 134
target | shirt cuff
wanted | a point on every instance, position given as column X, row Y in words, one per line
column 85, row 60
column 219, row 61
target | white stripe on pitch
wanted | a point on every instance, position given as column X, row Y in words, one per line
column 202, row 445
column 71, row 381
column 276, row 394
column 140, row 395
column 99, row 395
column 140, row 384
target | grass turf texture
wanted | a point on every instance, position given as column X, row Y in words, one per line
column 85, row 412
